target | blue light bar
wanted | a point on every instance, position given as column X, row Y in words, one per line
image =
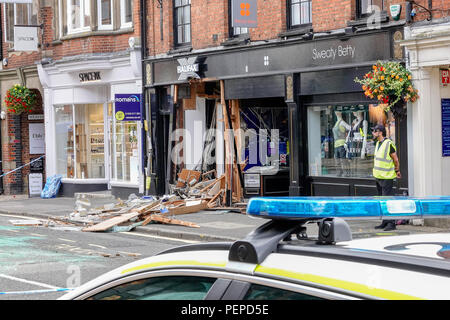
column 350, row 207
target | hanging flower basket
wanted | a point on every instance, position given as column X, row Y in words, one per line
column 20, row 99
column 390, row 83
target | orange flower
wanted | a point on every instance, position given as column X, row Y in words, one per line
column 381, row 88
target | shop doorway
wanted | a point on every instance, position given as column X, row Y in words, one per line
column 265, row 144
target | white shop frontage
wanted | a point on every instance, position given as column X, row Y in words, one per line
column 93, row 124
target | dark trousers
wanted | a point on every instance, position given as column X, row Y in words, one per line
column 385, row 187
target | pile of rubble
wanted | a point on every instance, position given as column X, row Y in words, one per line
column 193, row 192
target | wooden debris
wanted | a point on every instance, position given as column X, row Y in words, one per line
column 26, row 222
column 107, row 224
column 160, row 218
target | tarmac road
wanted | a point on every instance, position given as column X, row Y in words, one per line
column 37, row 262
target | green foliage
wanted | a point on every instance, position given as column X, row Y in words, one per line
column 389, row 82
column 20, row 99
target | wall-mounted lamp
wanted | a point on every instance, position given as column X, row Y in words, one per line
column 3, row 115
column 411, row 12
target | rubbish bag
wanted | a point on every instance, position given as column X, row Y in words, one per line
column 51, row 188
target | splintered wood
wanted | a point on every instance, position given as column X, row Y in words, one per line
column 193, row 192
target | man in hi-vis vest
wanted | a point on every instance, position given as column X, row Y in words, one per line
column 385, row 169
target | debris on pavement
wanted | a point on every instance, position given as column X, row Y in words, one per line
column 194, row 191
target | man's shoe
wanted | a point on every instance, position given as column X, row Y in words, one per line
column 381, row 226
column 390, row 226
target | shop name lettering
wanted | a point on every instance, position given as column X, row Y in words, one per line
column 90, row 76
column 332, row 53
column 187, row 68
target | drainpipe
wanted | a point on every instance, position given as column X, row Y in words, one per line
column 144, row 111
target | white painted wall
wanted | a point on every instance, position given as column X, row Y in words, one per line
column 429, row 50
column 194, row 124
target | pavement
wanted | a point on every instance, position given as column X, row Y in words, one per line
column 215, row 225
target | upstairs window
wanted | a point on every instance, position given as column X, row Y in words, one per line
column 126, row 13
column 300, row 13
column 78, row 16
column 182, row 19
column 105, row 14
column 19, row 14
column 235, row 31
column 366, row 7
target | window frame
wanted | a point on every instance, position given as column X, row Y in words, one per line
column 100, row 25
column 361, row 15
column 289, row 14
column 232, row 30
column 82, row 28
column 123, row 23
column 5, row 19
column 219, row 274
column 176, row 25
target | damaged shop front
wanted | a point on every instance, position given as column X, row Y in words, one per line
column 236, row 128
column 272, row 119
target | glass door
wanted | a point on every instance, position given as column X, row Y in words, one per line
column 124, row 146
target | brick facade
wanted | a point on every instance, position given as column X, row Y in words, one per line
column 210, row 20
column 15, row 142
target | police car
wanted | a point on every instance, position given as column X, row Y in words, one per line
column 279, row 261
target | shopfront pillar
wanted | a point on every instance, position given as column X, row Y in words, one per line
column 426, row 166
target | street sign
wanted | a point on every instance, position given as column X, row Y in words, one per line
column 445, row 77
column 26, row 38
column 35, row 184
column 445, row 104
column 128, row 107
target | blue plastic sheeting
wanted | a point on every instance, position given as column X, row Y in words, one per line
column 52, row 186
column 349, row 207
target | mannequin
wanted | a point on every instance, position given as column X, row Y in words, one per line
column 357, row 139
column 340, row 130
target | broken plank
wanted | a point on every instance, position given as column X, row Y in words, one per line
column 212, row 202
column 26, row 222
column 186, row 209
column 107, row 224
column 160, row 218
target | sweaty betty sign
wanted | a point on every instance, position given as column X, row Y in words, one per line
column 334, row 52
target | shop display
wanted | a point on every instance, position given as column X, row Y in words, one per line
column 340, row 141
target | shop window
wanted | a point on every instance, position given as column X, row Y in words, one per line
column 80, row 141
column 105, row 14
column 19, row 14
column 64, row 141
column 300, row 13
column 340, row 141
column 366, row 7
column 182, row 19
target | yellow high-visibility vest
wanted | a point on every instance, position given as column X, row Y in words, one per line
column 384, row 167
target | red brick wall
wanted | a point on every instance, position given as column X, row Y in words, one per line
column 90, row 44
column 210, row 18
column 328, row 15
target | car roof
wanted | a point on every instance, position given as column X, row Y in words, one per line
column 436, row 245
column 398, row 258
column 401, row 267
